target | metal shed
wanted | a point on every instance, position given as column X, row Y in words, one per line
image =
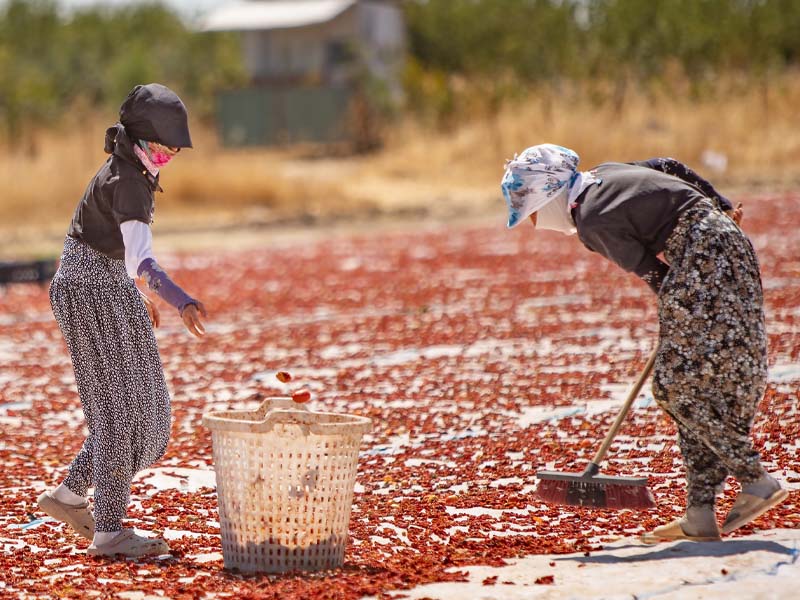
column 305, row 59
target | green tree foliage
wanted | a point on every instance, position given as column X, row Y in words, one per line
column 532, row 38
column 462, row 53
column 514, row 43
column 51, row 62
column 28, row 89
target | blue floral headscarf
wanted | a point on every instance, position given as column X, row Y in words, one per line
column 537, row 176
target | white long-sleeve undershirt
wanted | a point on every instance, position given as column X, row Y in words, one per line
column 138, row 240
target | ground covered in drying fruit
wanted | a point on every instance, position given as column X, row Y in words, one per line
column 481, row 355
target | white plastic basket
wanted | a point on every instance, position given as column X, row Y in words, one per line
column 285, row 479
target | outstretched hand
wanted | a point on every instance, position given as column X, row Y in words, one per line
column 191, row 318
column 736, row 214
column 152, row 311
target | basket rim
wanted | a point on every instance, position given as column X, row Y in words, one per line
column 284, row 411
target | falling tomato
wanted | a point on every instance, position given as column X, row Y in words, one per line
column 283, row 376
column 301, row 396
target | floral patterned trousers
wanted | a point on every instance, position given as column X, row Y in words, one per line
column 711, row 369
column 119, row 377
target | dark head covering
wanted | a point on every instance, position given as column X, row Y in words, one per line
column 154, row 113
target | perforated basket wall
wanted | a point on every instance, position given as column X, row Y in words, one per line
column 285, row 479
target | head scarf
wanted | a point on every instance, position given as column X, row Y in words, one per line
column 537, row 177
column 154, row 113
column 556, row 216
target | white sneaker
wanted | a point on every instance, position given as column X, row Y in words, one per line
column 127, row 543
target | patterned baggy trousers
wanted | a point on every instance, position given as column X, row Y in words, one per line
column 711, row 368
column 119, row 376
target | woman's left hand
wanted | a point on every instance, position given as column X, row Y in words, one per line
column 736, row 214
column 152, row 311
column 191, row 318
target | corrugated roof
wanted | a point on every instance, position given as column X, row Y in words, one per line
column 241, row 16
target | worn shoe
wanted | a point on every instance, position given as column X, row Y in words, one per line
column 128, row 544
column 699, row 524
column 79, row 517
column 749, row 507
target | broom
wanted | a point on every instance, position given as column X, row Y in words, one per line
column 600, row 491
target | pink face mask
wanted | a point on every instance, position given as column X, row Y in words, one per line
column 160, row 155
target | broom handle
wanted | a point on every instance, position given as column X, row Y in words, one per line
column 594, row 467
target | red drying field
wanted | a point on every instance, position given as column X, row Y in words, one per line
column 481, row 355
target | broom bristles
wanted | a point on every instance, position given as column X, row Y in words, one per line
column 594, row 494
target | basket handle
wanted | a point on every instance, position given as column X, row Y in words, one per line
column 279, row 403
column 307, row 422
column 300, row 418
column 276, row 410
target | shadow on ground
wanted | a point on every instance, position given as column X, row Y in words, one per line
column 690, row 550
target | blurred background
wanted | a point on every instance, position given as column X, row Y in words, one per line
column 321, row 111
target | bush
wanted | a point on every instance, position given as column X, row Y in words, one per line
column 51, row 63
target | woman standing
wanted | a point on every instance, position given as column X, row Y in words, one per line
column 108, row 324
column 711, row 368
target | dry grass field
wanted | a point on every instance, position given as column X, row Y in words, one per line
column 421, row 171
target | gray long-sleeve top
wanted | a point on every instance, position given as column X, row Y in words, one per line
column 631, row 213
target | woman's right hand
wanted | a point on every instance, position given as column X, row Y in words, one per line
column 191, row 318
column 152, row 310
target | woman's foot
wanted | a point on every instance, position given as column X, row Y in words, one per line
column 77, row 516
column 127, row 543
column 699, row 524
column 754, row 500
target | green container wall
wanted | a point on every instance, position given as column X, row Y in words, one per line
column 268, row 116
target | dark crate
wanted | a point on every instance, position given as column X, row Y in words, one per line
column 36, row 271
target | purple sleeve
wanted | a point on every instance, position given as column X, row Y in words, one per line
column 159, row 282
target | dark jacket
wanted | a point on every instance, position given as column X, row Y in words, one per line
column 631, row 213
column 122, row 190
